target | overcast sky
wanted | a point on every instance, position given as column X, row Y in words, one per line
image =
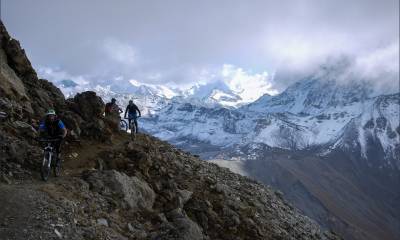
column 178, row 43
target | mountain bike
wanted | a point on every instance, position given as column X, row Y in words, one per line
column 132, row 127
column 123, row 125
column 50, row 154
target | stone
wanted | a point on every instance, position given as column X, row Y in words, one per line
column 102, row 222
column 221, row 188
column 184, row 196
column 88, row 105
column 136, row 193
column 25, row 129
column 188, row 229
column 59, row 235
column 130, row 227
column 4, row 179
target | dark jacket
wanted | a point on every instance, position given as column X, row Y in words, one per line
column 52, row 129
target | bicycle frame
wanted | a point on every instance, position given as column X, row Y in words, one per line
column 132, row 121
column 49, row 149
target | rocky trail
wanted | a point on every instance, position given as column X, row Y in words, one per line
column 34, row 209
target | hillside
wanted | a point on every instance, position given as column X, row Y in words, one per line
column 116, row 189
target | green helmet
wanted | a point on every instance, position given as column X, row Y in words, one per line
column 51, row 112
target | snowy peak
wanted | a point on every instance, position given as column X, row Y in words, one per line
column 211, row 95
column 376, row 131
column 313, row 96
column 153, row 90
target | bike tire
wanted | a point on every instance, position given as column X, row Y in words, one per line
column 133, row 131
column 57, row 168
column 45, row 170
column 123, row 125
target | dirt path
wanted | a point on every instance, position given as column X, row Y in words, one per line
column 79, row 157
column 33, row 209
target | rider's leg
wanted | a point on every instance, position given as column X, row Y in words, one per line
column 57, row 146
column 129, row 123
column 136, row 125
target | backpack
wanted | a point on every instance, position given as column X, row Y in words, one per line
column 108, row 108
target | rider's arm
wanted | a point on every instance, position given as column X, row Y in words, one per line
column 42, row 126
column 126, row 111
column 63, row 128
column 42, row 129
column 137, row 109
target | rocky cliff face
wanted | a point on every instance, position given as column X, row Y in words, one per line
column 23, row 94
column 116, row 189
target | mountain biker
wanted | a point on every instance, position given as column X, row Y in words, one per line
column 53, row 127
column 132, row 110
column 112, row 108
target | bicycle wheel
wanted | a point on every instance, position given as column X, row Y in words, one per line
column 45, row 170
column 57, row 168
column 123, row 125
column 133, row 131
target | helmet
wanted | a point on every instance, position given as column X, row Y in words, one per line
column 113, row 100
column 130, row 101
column 51, row 112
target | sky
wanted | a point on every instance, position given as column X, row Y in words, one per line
column 260, row 46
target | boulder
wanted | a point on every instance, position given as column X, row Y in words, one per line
column 72, row 121
column 188, row 229
column 24, row 129
column 184, row 226
column 113, row 122
column 88, row 105
column 136, row 193
column 96, row 129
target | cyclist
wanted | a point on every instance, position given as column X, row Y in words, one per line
column 112, row 108
column 132, row 110
column 53, row 127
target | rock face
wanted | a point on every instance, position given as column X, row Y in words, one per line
column 25, row 98
column 27, row 95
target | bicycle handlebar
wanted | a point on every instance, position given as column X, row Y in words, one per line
column 132, row 118
column 49, row 139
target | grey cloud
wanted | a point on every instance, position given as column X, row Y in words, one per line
column 177, row 39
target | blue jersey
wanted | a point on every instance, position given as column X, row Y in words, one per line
column 52, row 129
column 42, row 125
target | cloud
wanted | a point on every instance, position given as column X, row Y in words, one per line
column 180, row 42
column 57, row 75
column 251, row 86
column 120, row 52
column 379, row 62
column 246, row 83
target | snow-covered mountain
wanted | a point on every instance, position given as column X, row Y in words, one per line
column 316, row 111
column 215, row 94
column 309, row 113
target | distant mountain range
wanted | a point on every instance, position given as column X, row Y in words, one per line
column 332, row 147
